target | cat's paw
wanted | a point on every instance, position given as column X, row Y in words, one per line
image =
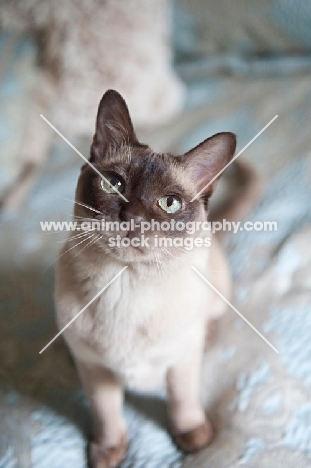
column 196, row 439
column 111, row 457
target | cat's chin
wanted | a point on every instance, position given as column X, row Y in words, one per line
column 135, row 255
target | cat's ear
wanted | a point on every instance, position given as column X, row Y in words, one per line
column 113, row 125
column 207, row 159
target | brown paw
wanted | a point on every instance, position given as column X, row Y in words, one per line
column 196, row 439
column 112, row 457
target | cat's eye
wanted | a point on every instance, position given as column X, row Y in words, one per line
column 170, row 203
column 115, row 182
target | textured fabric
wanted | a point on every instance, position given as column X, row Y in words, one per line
column 17, row 80
column 242, row 27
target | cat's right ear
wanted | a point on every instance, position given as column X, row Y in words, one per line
column 113, row 125
column 206, row 161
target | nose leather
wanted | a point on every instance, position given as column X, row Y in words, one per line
column 128, row 216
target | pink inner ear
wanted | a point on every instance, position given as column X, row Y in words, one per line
column 207, row 159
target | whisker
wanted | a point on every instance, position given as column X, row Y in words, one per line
column 85, row 206
column 155, row 260
column 175, row 262
column 129, row 153
column 167, row 253
column 87, row 245
column 83, row 217
column 182, row 250
column 66, row 252
column 159, row 265
column 58, row 231
column 76, row 216
column 71, row 238
column 98, row 239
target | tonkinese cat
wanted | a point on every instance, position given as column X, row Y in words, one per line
column 147, row 328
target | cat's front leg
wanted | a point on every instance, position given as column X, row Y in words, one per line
column 191, row 430
column 105, row 394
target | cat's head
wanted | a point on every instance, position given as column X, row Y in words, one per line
column 150, row 186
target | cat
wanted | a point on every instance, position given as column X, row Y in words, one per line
column 148, row 328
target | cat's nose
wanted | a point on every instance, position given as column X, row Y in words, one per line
column 137, row 219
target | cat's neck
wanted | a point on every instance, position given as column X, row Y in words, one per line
column 156, row 267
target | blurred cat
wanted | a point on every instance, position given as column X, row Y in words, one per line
column 83, row 48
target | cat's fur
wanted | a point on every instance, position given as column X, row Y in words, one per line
column 148, row 327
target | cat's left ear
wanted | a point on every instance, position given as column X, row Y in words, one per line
column 207, row 159
column 113, row 125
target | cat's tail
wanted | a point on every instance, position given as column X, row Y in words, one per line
column 246, row 193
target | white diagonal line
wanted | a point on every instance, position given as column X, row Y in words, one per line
column 83, row 157
column 235, row 310
column 85, row 307
column 236, row 156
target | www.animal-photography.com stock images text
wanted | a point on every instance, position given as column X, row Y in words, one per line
column 155, row 248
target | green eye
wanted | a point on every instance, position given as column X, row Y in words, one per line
column 170, row 203
column 115, row 181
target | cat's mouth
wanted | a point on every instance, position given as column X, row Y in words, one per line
column 131, row 246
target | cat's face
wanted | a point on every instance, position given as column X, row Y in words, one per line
column 155, row 188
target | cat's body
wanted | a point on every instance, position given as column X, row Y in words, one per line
column 131, row 328
column 148, row 328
